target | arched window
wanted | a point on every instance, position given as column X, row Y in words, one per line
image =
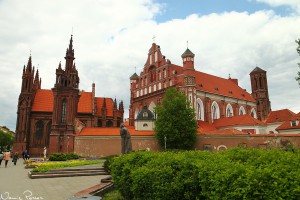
column 150, row 89
column 154, row 88
column 64, row 111
column 242, row 111
column 39, row 127
column 215, row 111
column 253, row 113
column 229, row 110
column 199, row 110
column 165, row 73
column 159, row 86
column 109, row 123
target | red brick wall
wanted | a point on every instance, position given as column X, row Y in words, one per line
column 98, row 146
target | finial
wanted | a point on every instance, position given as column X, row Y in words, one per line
column 229, row 76
column 30, row 52
column 135, row 69
column 187, row 44
column 153, row 38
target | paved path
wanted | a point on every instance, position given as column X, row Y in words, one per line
column 15, row 184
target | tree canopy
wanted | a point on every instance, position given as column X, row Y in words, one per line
column 175, row 121
column 6, row 139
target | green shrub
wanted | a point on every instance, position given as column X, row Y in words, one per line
column 233, row 174
column 63, row 156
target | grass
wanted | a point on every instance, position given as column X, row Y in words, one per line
column 46, row 166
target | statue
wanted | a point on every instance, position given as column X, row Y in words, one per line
column 126, row 146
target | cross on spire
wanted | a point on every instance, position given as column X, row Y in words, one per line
column 153, row 38
column 187, row 44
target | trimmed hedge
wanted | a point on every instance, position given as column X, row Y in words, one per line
column 63, row 156
column 233, row 174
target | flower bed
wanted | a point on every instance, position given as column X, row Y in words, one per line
column 46, row 166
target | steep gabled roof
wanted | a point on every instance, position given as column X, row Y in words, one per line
column 109, row 106
column 239, row 120
column 85, row 102
column 43, row 101
column 279, row 116
column 217, row 85
column 287, row 124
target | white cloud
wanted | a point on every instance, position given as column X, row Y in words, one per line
column 113, row 37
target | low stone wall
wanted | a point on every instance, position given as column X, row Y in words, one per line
column 99, row 146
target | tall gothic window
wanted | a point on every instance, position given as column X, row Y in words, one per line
column 242, row 111
column 260, row 83
column 215, row 111
column 39, row 130
column 229, row 111
column 64, row 112
column 199, row 110
column 48, row 134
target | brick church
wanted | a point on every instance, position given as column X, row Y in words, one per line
column 212, row 97
column 52, row 117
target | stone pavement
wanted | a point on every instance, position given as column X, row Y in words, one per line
column 15, row 184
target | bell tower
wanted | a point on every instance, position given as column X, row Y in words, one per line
column 66, row 97
column 260, row 92
column 24, row 108
column 189, row 78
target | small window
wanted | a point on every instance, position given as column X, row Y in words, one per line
column 145, row 125
column 145, row 114
column 293, row 123
column 207, row 147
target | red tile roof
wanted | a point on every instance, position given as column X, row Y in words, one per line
column 224, row 132
column 240, row 120
column 85, row 102
column 287, row 124
column 279, row 116
column 109, row 106
column 43, row 101
column 92, row 131
column 205, row 126
column 216, row 85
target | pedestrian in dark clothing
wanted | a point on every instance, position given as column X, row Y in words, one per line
column 1, row 157
column 15, row 158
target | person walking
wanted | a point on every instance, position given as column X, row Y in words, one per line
column 1, row 157
column 15, row 158
column 6, row 157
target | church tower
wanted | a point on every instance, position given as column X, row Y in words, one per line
column 260, row 92
column 30, row 84
column 66, row 96
column 189, row 78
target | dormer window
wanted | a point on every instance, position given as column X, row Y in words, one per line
column 294, row 123
column 145, row 114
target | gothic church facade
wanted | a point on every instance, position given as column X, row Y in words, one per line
column 211, row 97
column 52, row 117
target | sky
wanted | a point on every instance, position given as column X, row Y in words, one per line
column 111, row 39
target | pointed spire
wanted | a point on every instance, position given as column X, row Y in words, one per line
column 29, row 65
column 70, row 55
column 115, row 104
column 59, row 65
column 121, row 106
column 104, row 103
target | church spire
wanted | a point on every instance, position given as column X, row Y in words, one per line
column 29, row 65
column 69, row 55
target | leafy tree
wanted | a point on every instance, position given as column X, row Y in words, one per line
column 298, row 50
column 175, row 121
column 6, row 139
